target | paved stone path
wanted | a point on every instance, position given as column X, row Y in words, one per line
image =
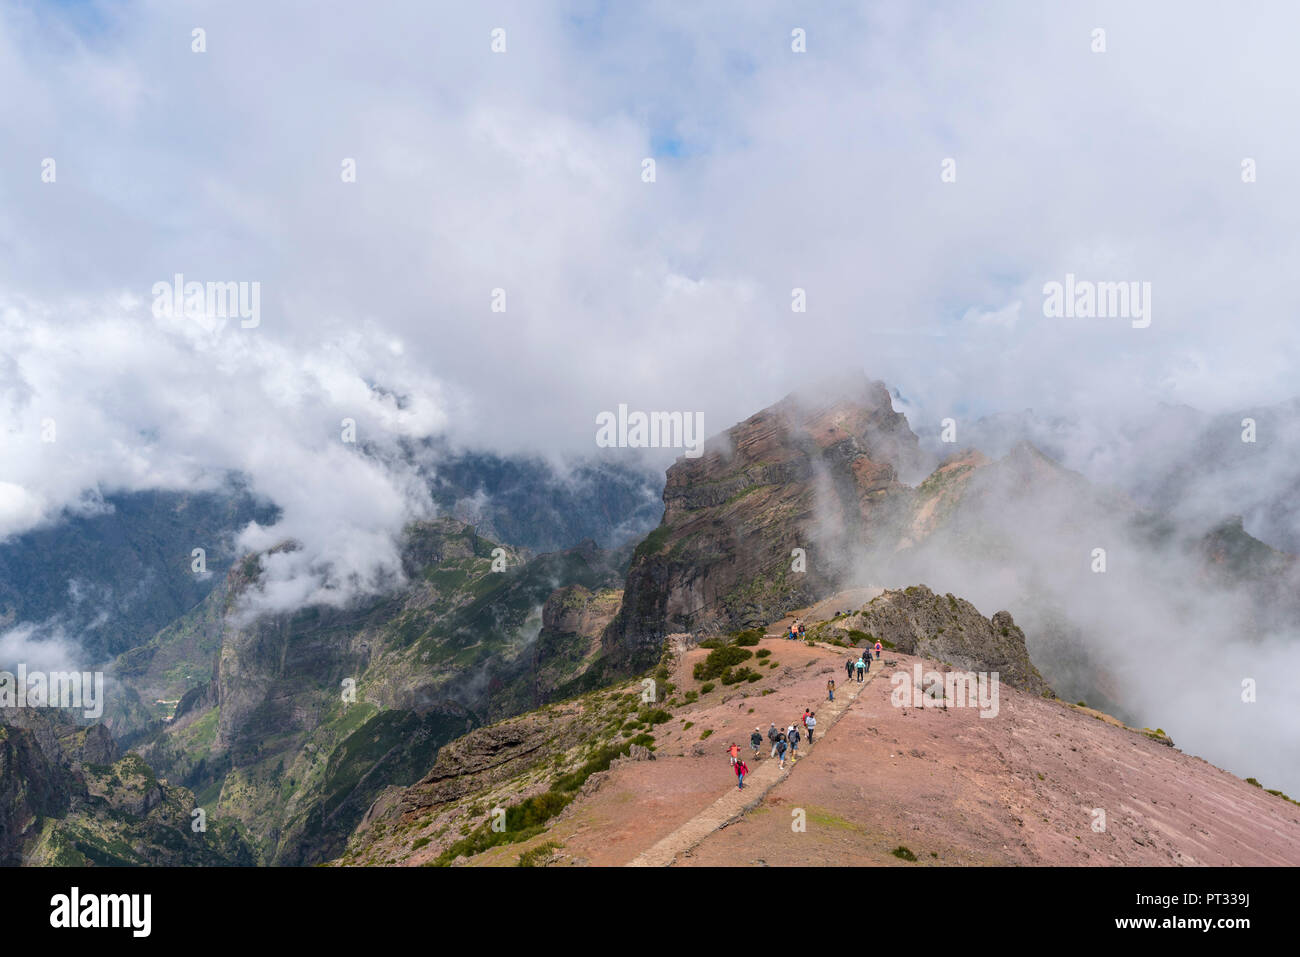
column 736, row 802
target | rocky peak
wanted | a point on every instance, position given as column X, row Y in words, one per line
column 916, row 621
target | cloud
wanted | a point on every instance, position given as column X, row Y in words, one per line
column 522, row 171
column 116, row 398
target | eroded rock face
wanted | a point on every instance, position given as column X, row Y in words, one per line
column 31, row 786
column 483, row 757
column 916, row 621
column 573, row 619
column 821, row 475
column 575, row 610
column 67, row 797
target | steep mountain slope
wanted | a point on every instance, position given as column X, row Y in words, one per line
column 533, row 504
column 819, row 474
column 69, row 797
column 890, row 783
column 109, row 577
column 275, row 739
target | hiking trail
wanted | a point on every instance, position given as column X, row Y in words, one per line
column 735, row 803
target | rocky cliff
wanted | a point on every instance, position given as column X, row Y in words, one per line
column 69, row 797
column 916, row 621
column 819, row 474
column 307, row 717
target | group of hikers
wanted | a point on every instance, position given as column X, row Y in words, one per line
column 786, row 743
column 861, row 666
column 796, row 631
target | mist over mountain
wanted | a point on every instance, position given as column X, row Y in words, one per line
column 1199, row 466
column 534, row 504
column 1158, row 615
column 95, row 583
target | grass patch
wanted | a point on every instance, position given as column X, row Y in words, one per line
column 539, row 854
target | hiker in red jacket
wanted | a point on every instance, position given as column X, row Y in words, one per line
column 741, row 770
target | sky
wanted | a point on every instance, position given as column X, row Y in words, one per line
column 522, row 171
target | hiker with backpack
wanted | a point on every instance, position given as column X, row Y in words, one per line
column 877, row 650
column 860, row 667
column 792, row 735
column 848, row 669
column 779, row 749
column 811, row 725
column 741, row 770
column 773, row 735
column 756, row 741
column 801, row 630
column 830, row 689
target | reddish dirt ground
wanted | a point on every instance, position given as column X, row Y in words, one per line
column 639, row 803
column 1019, row 788
column 951, row 787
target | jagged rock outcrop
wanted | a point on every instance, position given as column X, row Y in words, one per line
column 68, row 797
column 482, row 757
column 916, row 621
column 573, row 619
column 31, row 787
column 310, row 716
column 817, row 473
